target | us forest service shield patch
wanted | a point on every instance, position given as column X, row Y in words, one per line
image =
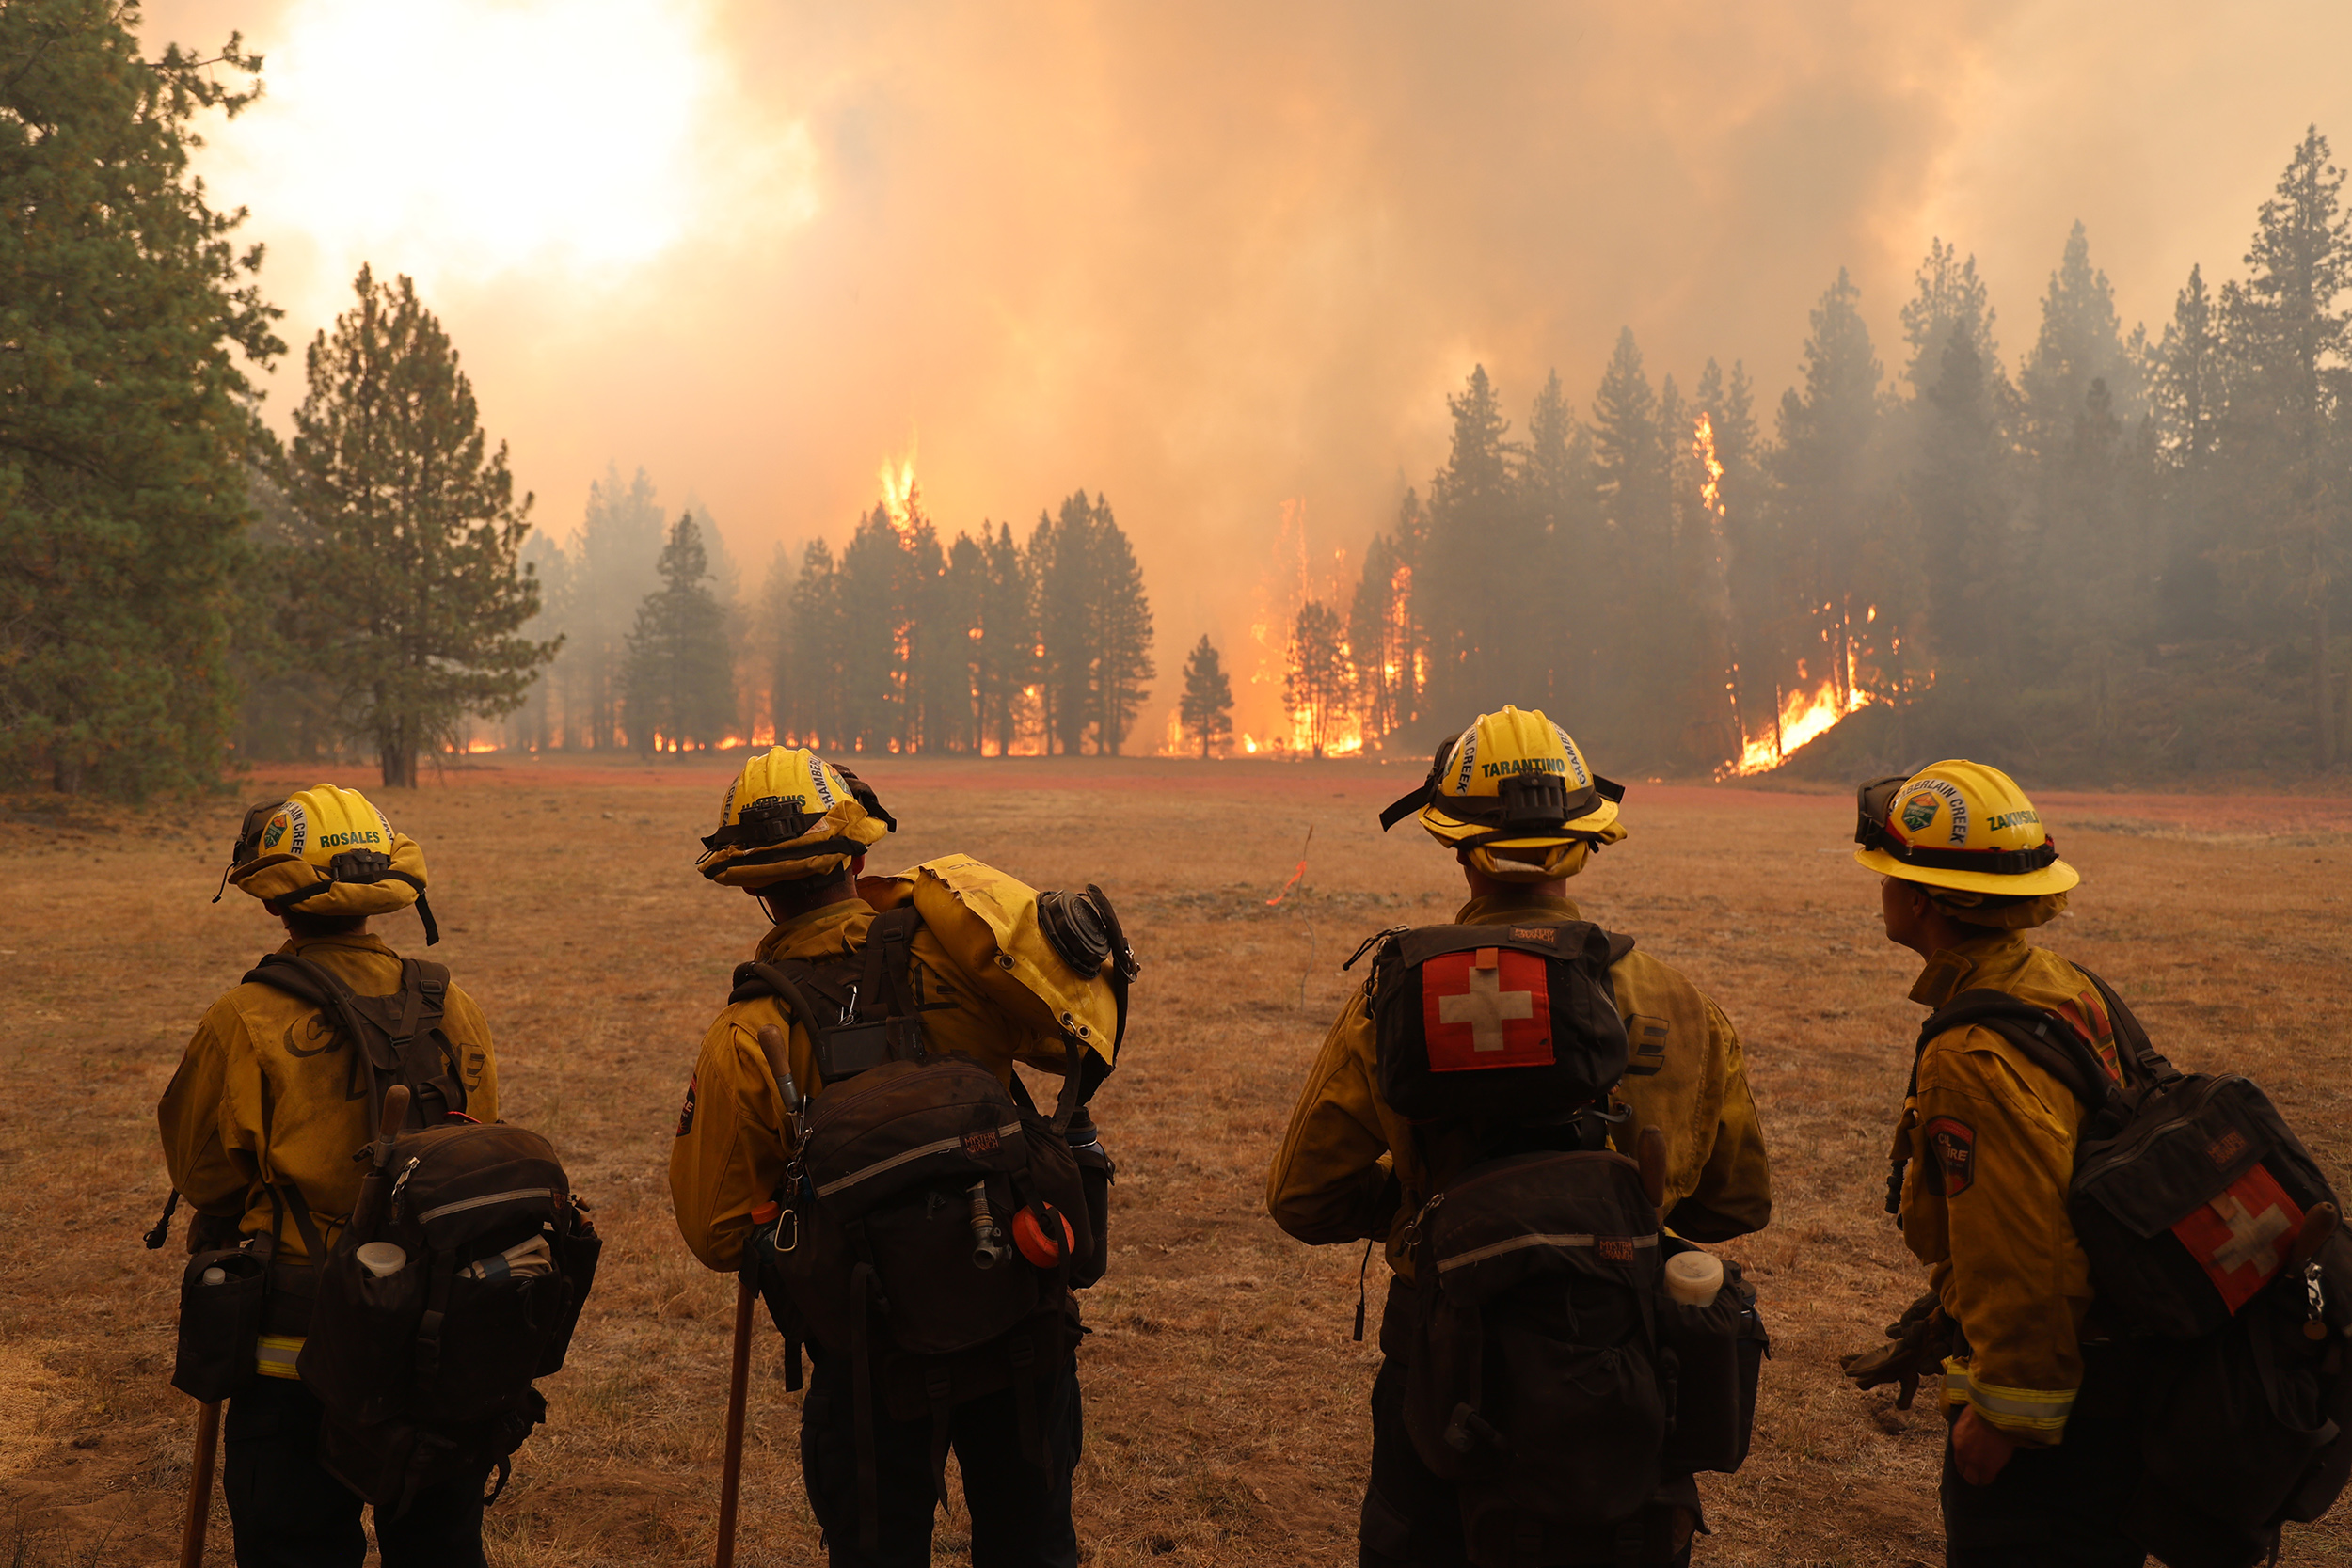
column 1955, row 1145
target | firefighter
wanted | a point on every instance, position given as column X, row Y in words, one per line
column 1351, row 1168
column 260, row 1126
column 793, row 832
column 2043, row 1452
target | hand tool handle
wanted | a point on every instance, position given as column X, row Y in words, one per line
column 1650, row 1154
column 200, row 1485
column 738, row 1380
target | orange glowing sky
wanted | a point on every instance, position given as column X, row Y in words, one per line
column 1208, row 259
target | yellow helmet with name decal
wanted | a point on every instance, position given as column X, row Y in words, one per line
column 328, row 851
column 789, row 815
column 1961, row 827
column 1513, row 796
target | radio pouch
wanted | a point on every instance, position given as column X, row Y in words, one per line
column 220, row 1324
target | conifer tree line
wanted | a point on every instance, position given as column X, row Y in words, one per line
column 988, row 645
column 2119, row 551
column 985, row 644
column 2098, row 551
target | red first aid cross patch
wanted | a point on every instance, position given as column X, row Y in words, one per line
column 2242, row 1237
column 1490, row 1007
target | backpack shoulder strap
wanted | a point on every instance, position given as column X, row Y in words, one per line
column 384, row 1030
column 298, row 976
column 2047, row 1040
column 2131, row 1031
column 889, row 960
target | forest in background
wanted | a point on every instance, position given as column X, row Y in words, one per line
column 2117, row 554
column 2121, row 558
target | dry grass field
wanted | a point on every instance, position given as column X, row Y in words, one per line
column 1225, row 1402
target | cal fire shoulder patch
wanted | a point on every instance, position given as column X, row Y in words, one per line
column 686, row 1112
column 1485, row 1008
column 1955, row 1145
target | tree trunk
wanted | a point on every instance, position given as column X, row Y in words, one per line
column 2344, row 725
column 2323, row 710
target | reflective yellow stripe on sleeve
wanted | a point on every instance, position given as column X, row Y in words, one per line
column 2039, row 1411
column 274, row 1356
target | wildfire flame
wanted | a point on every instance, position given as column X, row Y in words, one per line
column 899, row 492
column 1804, row 716
column 1703, row 448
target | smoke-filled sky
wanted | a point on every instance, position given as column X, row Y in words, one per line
column 1213, row 259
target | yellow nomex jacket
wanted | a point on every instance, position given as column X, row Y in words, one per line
column 1327, row 1180
column 1991, row 1141
column 270, row 1092
column 733, row 1136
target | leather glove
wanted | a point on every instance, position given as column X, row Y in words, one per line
column 1923, row 1337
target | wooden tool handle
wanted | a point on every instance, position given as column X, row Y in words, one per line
column 1650, row 1154
column 200, row 1485
column 395, row 1118
column 738, row 1383
column 772, row 1047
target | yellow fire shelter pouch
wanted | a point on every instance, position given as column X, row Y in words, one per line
column 1056, row 961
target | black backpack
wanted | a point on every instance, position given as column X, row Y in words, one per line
column 2210, row 1235
column 1549, row 1376
column 933, row 1223
column 425, row 1373
column 1476, row 1018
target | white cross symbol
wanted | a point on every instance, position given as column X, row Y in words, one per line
column 2250, row 1235
column 1485, row 1008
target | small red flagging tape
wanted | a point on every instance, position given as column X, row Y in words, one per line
column 1295, row 874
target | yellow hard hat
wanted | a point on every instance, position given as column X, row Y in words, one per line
column 788, row 815
column 328, row 851
column 1513, row 794
column 1960, row 826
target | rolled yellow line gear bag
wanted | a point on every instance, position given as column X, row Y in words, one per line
column 790, row 815
column 1513, row 795
column 329, row 851
column 1058, row 960
column 1962, row 830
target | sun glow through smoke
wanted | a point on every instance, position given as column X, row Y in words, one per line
column 458, row 141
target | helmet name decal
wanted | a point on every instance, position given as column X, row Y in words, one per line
column 1576, row 758
column 342, row 841
column 2011, row 819
column 1468, row 755
column 1523, row 765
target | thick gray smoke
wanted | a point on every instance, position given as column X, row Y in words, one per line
column 1206, row 258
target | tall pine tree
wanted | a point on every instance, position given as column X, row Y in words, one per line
column 1206, row 709
column 125, row 427
column 1317, row 682
column 680, row 679
column 419, row 594
column 2295, row 338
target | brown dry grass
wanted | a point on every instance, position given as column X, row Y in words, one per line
column 1224, row 1399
